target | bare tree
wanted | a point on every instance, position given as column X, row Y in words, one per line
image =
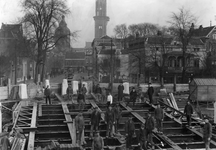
column 41, row 17
column 182, row 25
column 143, row 29
column 121, row 31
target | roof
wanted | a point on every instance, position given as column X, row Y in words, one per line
column 196, row 41
column 106, row 44
column 160, row 40
column 75, row 55
column 203, row 31
column 207, row 81
column 11, row 30
column 105, row 37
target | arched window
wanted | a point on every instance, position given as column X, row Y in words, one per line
column 179, row 61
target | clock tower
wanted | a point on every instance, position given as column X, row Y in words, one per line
column 100, row 18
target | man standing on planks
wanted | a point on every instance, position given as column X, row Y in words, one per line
column 80, row 125
column 120, row 92
column 159, row 116
column 69, row 92
column 188, row 110
column 47, row 93
column 133, row 96
column 97, row 143
column 95, row 120
column 130, row 131
column 83, row 91
column 118, row 115
column 207, row 133
column 109, row 120
column 150, row 125
column 142, row 137
column 150, row 93
column 80, row 101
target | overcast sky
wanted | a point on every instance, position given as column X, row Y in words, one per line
column 119, row 11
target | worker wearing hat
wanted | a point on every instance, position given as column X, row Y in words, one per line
column 207, row 133
column 95, row 120
column 149, row 126
column 129, row 130
column 97, row 143
column 118, row 116
column 109, row 120
column 159, row 116
column 142, row 137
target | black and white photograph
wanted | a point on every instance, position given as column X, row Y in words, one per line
column 107, row 74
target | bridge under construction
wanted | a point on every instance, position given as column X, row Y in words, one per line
column 53, row 125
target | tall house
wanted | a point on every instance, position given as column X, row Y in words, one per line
column 100, row 19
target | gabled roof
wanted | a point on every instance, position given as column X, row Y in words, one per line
column 196, row 41
column 75, row 55
column 206, row 81
column 105, row 37
column 203, row 31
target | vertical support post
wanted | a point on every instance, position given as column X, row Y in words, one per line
column 174, row 86
column 111, row 76
column 214, row 112
column 0, row 117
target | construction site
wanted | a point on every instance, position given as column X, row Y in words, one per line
column 38, row 126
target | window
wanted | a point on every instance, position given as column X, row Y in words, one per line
column 196, row 63
column 214, row 36
column 100, row 27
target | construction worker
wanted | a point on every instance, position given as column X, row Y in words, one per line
column 80, row 125
column 130, row 131
column 188, row 110
column 142, row 137
column 118, row 115
column 69, row 92
column 109, row 120
column 120, row 92
column 149, row 126
column 159, row 116
column 133, row 96
column 109, row 99
column 84, row 91
column 150, row 93
column 95, row 120
column 98, row 143
column 207, row 133
column 98, row 92
column 4, row 141
column 47, row 93
column 80, row 100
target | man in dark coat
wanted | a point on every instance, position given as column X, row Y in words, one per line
column 69, row 92
column 98, row 92
column 188, row 110
column 80, row 125
column 118, row 115
column 47, row 93
column 159, row 116
column 97, row 143
column 207, row 133
column 109, row 120
column 129, row 130
column 95, row 120
column 83, row 91
column 142, row 137
column 120, row 92
column 133, row 96
column 150, row 93
column 80, row 100
column 150, row 125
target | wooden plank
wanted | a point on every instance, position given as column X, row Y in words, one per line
column 71, row 124
column 33, row 124
column 165, row 138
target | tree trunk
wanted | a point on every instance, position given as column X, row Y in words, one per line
column 183, row 64
column 43, row 67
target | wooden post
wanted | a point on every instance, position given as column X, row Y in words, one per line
column 214, row 112
column 174, row 86
column 0, row 117
column 9, row 86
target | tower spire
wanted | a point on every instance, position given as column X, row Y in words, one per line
column 100, row 18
